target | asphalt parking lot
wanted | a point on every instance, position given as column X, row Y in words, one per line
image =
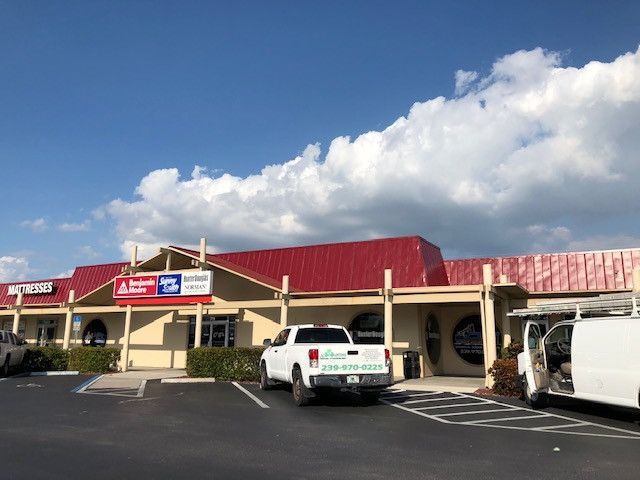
column 222, row 430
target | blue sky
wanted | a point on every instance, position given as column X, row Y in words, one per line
column 96, row 95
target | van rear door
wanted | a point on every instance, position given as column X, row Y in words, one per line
column 535, row 369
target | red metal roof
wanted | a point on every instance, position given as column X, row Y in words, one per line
column 341, row 266
column 360, row 265
column 84, row 280
column 553, row 272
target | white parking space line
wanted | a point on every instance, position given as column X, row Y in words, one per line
column 534, row 420
column 404, row 394
column 507, row 419
column 491, row 410
column 250, row 395
column 429, row 400
column 469, row 404
column 83, row 386
column 566, row 425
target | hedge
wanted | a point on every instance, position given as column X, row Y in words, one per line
column 42, row 359
column 94, row 359
column 505, row 372
column 225, row 363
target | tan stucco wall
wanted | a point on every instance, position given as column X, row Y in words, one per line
column 450, row 362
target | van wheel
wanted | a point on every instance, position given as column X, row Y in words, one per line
column 534, row 400
column 265, row 382
column 301, row 395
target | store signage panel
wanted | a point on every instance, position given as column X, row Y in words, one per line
column 197, row 283
column 170, row 284
column 36, row 288
column 135, row 286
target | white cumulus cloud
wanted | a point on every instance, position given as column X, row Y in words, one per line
column 36, row 225
column 522, row 159
column 14, row 269
column 74, row 227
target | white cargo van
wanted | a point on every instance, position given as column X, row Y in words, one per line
column 594, row 356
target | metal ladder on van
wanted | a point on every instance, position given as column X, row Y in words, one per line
column 613, row 305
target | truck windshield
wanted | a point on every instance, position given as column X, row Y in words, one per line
column 321, row 335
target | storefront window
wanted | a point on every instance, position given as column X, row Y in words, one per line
column 219, row 331
column 95, row 334
column 433, row 338
column 367, row 328
column 46, row 332
column 467, row 340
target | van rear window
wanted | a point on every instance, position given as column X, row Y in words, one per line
column 321, row 335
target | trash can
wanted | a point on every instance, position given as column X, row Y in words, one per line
column 411, row 364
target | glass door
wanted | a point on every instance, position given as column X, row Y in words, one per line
column 217, row 331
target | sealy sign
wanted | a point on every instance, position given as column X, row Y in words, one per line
column 36, row 288
column 171, row 284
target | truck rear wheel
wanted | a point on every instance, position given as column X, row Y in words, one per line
column 265, row 382
column 301, row 395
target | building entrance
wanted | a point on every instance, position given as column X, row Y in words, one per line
column 218, row 331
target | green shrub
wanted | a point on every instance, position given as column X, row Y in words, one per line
column 42, row 359
column 505, row 377
column 94, row 359
column 225, row 363
column 512, row 350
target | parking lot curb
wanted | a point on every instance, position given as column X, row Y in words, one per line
column 188, row 380
column 54, row 373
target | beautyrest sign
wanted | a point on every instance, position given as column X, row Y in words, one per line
column 170, row 284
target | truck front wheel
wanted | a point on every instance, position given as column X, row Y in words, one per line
column 301, row 395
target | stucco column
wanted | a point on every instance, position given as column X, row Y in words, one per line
column 68, row 320
column 284, row 305
column 124, row 360
column 388, row 311
column 636, row 279
column 197, row 341
column 506, row 323
column 489, row 320
column 16, row 316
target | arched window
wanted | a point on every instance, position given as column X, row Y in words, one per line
column 467, row 340
column 367, row 328
column 95, row 334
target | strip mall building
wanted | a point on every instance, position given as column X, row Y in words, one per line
column 397, row 291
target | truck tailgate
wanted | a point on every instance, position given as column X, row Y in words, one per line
column 346, row 359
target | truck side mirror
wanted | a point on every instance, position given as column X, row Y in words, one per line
column 266, row 342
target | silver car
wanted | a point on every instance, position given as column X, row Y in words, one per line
column 11, row 351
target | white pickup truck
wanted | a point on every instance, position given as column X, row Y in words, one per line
column 319, row 356
column 11, row 351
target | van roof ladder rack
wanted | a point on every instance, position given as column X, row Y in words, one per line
column 604, row 305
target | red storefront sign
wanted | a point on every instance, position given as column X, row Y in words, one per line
column 138, row 286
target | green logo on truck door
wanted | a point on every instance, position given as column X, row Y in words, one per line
column 329, row 354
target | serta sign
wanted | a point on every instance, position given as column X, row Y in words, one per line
column 37, row 288
column 170, row 284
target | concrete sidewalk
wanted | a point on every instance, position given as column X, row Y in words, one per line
column 130, row 383
column 443, row 384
